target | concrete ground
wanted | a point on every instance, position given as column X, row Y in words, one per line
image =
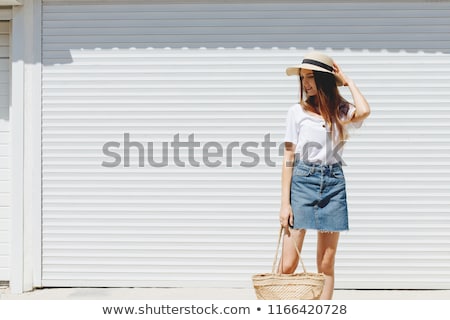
column 206, row 294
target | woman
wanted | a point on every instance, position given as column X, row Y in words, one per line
column 313, row 189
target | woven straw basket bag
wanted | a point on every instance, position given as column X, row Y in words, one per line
column 295, row 286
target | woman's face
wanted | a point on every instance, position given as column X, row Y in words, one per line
column 309, row 84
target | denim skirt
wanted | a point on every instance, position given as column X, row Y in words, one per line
column 318, row 197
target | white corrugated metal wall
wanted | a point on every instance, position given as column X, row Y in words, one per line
column 5, row 166
column 217, row 72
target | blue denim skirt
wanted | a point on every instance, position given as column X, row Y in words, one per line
column 318, row 197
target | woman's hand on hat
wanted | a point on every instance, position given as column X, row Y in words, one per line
column 340, row 74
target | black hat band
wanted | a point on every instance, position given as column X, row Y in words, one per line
column 318, row 63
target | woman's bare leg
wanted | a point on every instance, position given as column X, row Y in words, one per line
column 326, row 252
column 289, row 257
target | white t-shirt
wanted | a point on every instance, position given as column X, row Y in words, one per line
column 312, row 136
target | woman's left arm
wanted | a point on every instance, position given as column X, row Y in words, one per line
column 362, row 106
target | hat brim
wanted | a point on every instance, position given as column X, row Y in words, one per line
column 295, row 71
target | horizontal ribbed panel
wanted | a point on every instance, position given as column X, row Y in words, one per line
column 5, row 187
column 411, row 26
column 106, row 73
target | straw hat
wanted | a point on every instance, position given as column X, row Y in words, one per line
column 315, row 61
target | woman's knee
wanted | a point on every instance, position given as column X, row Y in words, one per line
column 288, row 265
column 326, row 265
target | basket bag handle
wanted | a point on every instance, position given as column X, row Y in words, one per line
column 278, row 247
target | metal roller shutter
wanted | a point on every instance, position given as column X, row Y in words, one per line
column 216, row 72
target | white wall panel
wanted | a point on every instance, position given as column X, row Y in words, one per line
column 5, row 175
column 217, row 71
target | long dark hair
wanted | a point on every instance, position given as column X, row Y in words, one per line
column 328, row 101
